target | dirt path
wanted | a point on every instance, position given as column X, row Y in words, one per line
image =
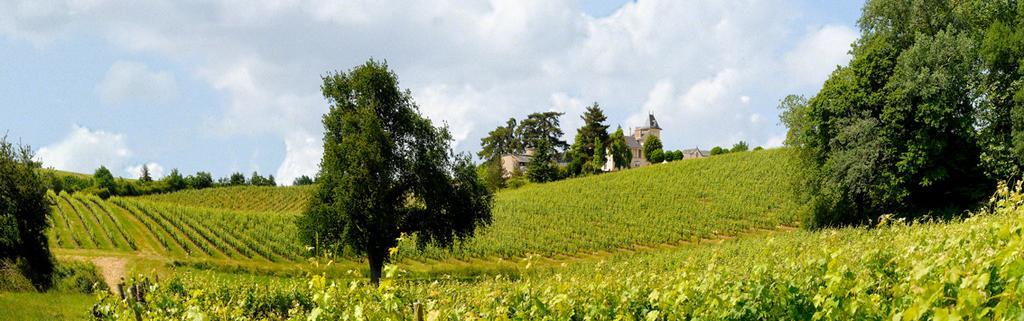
column 112, row 269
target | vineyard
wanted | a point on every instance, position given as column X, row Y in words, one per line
column 241, row 198
column 664, row 204
column 971, row 269
column 125, row 224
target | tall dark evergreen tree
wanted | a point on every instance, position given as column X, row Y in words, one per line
column 542, row 130
column 387, row 170
column 592, row 132
column 542, row 167
column 145, row 177
column 500, row 141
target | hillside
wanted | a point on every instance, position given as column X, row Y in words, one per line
column 663, row 204
column 969, row 269
column 243, row 198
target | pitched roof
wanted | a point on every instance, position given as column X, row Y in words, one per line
column 632, row 142
column 696, row 152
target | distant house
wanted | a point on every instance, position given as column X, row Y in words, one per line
column 512, row 164
column 515, row 163
column 695, row 153
column 636, row 141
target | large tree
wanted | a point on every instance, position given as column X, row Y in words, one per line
column 500, row 141
column 592, row 132
column 387, row 170
column 542, row 130
column 651, row 144
column 904, row 127
column 621, row 154
column 24, row 213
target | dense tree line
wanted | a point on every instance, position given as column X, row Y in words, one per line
column 103, row 183
column 924, row 119
column 740, row 146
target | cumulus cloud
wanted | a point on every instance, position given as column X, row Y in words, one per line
column 818, row 54
column 704, row 68
column 302, row 157
column 84, row 150
column 156, row 171
column 135, row 82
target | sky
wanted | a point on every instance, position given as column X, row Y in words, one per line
column 234, row 86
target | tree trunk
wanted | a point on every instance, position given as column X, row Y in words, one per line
column 376, row 264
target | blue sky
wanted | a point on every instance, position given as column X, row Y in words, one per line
column 233, row 85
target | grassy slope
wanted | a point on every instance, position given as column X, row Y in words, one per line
column 964, row 269
column 45, row 306
column 665, row 203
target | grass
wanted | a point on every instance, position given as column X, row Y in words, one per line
column 45, row 306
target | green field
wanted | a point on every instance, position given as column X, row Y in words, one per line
column 698, row 239
column 970, row 269
column 664, row 204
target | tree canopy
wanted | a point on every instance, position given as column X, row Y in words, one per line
column 500, row 141
column 24, row 214
column 921, row 121
column 387, row 170
column 542, row 130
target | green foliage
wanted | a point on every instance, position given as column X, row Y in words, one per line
column 542, row 167
column 591, row 138
column 200, row 180
column 501, row 141
column 241, row 198
column 656, row 156
column 145, row 177
column 490, row 173
column 104, row 182
column 236, row 179
column 652, row 143
column 174, row 181
column 78, row 277
column 916, row 120
column 388, row 170
column 257, row 180
column 542, row 130
column 24, row 214
column 718, row 150
column 621, row 154
column 741, row 146
column 962, row 270
column 302, row 180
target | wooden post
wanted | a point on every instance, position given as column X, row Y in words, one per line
column 120, row 289
column 419, row 311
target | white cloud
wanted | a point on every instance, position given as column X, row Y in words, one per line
column 473, row 64
column 303, row 153
column 135, row 82
column 156, row 171
column 818, row 54
column 84, row 150
column 775, row 141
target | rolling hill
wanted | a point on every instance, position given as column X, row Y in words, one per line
column 663, row 204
